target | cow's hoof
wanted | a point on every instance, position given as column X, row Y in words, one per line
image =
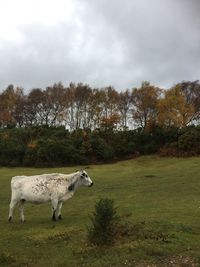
column 60, row 217
column 10, row 219
column 54, row 219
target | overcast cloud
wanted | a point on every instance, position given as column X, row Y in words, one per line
column 99, row 42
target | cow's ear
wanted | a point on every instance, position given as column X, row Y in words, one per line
column 87, row 167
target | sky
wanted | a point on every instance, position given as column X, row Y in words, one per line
column 99, row 42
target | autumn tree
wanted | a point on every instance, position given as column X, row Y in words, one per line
column 19, row 107
column 80, row 107
column 82, row 97
column 97, row 107
column 191, row 91
column 124, row 106
column 69, row 97
column 77, row 102
column 11, row 106
column 174, row 110
column 145, row 101
column 33, row 107
column 53, row 104
column 110, row 107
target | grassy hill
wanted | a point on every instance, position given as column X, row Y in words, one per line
column 158, row 201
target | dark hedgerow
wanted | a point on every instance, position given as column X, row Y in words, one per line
column 104, row 220
column 55, row 146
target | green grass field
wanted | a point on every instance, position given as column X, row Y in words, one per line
column 158, row 201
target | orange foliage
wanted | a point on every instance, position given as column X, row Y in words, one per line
column 32, row 144
column 173, row 110
column 111, row 121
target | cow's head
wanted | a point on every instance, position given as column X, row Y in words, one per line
column 81, row 178
column 85, row 179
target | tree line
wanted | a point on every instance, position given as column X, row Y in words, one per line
column 79, row 125
column 79, row 106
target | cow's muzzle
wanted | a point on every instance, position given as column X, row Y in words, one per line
column 91, row 184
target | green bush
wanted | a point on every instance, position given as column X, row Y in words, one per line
column 190, row 141
column 54, row 152
column 56, row 146
column 104, row 223
column 101, row 149
column 11, row 152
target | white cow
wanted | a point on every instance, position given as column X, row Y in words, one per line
column 55, row 188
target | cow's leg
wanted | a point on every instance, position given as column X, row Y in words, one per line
column 13, row 203
column 21, row 208
column 59, row 210
column 54, row 203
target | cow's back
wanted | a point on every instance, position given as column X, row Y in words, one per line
column 34, row 178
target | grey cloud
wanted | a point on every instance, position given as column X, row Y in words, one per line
column 116, row 42
column 161, row 38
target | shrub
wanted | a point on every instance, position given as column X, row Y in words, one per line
column 101, row 149
column 169, row 150
column 53, row 152
column 104, row 223
column 11, row 152
column 55, row 146
column 190, row 141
